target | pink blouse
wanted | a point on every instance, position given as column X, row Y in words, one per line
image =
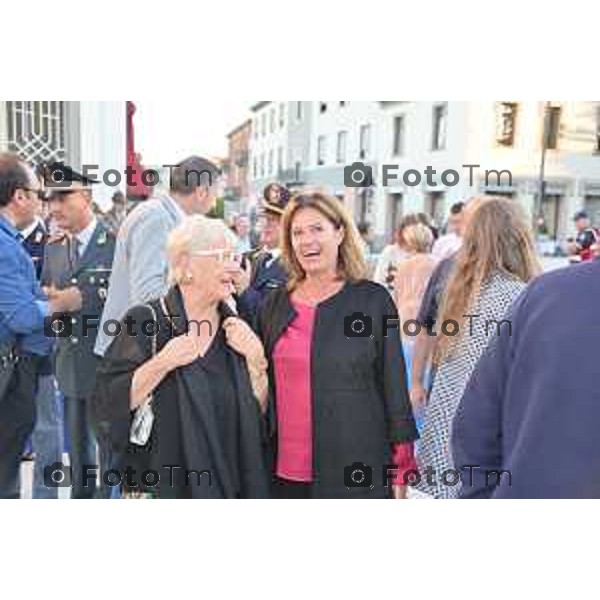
column 292, row 362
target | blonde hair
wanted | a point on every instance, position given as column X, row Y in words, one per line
column 195, row 234
column 498, row 239
column 351, row 261
column 418, row 238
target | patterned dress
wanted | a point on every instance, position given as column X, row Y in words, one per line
column 451, row 379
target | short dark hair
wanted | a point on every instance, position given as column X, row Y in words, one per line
column 119, row 198
column 13, row 176
column 192, row 173
column 364, row 228
column 457, row 208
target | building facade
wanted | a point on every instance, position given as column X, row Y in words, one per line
column 270, row 145
column 473, row 147
column 495, row 148
column 78, row 133
column 237, row 191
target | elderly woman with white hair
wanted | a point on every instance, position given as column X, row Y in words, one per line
column 198, row 371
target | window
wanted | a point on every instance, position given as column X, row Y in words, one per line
column 271, row 165
column 299, row 111
column 36, row 130
column 323, row 107
column 553, row 127
column 398, row 136
column 342, row 142
column 440, row 125
column 273, row 115
column 255, row 168
column 365, row 141
column 262, row 165
column 256, row 128
column 298, row 169
column 264, row 125
column 342, row 103
column 281, row 115
column 506, row 123
column 279, row 160
column 321, row 150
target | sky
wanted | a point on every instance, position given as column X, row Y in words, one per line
column 169, row 131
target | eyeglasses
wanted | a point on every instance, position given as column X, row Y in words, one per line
column 222, row 255
column 41, row 194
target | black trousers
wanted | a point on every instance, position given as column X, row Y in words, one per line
column 84, row 452
column 17, row 420
column 291, row 490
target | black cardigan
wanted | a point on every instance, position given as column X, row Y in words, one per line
column 360, row 399
column 185, row 431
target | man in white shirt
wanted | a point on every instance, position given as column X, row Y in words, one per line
column 450, row 244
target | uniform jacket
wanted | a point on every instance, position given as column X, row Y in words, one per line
column 75, row 361
column 35, row 243
column 265, row 278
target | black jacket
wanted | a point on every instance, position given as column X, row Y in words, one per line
column 359, row 392
column 185, row 432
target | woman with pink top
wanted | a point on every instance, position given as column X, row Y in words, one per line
column 339, row 415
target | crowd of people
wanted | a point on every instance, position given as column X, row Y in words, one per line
column 189, row 358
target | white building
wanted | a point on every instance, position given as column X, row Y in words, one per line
column 497, row 136
column 312, row 142
column 79, row 133
column 269, row 144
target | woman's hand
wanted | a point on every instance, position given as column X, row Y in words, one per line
column 399, row 492
column 418, row 396
column 180, row 352
column 243, row 340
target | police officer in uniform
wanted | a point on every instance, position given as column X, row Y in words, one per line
column 82, row 257
column 267, row 272
column 34, row 241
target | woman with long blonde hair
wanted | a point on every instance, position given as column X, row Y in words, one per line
column 493, row 267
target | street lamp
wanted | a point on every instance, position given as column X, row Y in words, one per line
column 541, row 192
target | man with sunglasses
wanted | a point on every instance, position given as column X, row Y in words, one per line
column 24, row 310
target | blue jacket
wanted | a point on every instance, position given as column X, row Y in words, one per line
column 265, row 278
column 532, row 407
column 23, row 306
